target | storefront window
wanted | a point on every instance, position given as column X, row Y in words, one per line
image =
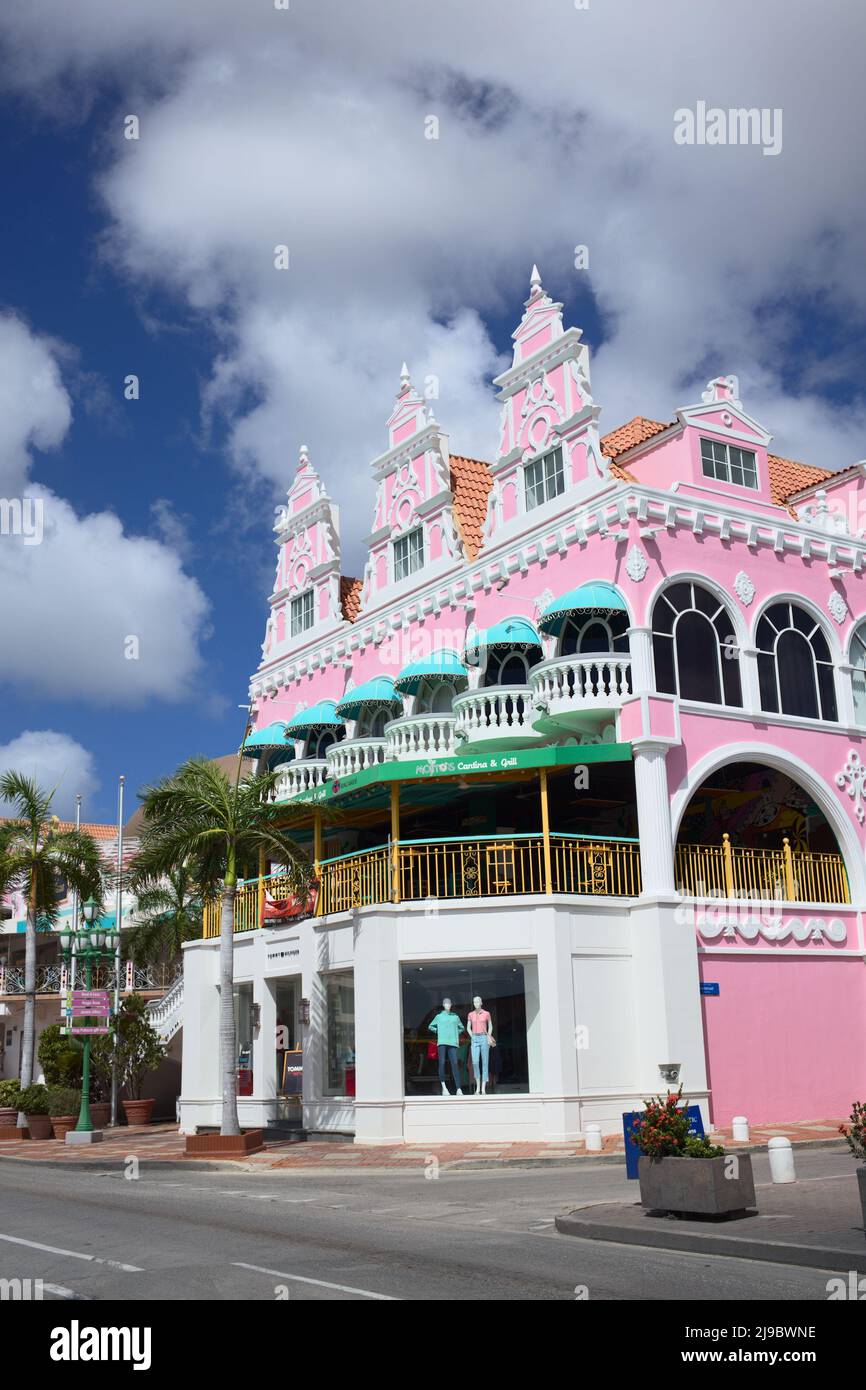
column 340, row 1034
column 508, row 991
column 244, row 1024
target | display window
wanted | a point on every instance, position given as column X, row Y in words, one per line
column 339, row 1034
column 469, row 1027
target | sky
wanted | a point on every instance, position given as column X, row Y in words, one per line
column 132, row 611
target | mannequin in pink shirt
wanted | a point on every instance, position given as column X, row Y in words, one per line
column 480, row 1026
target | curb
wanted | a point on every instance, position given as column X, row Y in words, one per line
column 705, row 1243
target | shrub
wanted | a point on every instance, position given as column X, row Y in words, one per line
column 662, row 1131
column 60, row 1057
column 33, row 1100
column 9, row 1093
column 855, row 1130
column 63, row 1100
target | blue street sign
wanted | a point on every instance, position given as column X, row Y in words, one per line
column 709, row 987
column 632, row 1152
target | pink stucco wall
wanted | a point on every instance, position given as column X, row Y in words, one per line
column 782, row 1032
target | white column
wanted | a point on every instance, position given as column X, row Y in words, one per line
column 201, row 1088
column 379, row 1094
column 749, row 679
column 641, row 653
column 654, row 818
column 845, row 695
column 264, row 1050
column 561, row 1108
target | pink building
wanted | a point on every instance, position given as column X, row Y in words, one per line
column 584, row 741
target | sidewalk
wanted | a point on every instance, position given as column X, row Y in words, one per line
column 163, row 1144
column 814, row 1223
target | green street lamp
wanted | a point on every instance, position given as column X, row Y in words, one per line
column 91, row 944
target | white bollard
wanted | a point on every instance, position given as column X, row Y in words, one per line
column 781, row 1160
column 740, row 1129
column 593, row 1139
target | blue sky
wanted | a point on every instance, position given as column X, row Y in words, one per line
column 156, row 257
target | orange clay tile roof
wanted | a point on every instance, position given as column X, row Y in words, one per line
column 787, row 477
column 470, row 482
column 637, row 431
column 350, row 597
column 94, row 829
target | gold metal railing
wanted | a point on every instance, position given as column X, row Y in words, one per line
column 506, row 866
column 734, row 871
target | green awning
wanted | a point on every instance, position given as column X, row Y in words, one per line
column 378, row 691
column 596, row 597
column 440, row 665
column 322, row 715
column 511, row 632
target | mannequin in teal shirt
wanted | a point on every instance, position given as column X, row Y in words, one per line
column 447, row 1027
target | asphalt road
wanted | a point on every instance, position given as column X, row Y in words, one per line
column 176, row 1234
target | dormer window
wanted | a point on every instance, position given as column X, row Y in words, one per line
column 408, row 554
column 301, row 613
column 728, row 464
column 544, row 478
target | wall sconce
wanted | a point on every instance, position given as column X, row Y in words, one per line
column 670, row 1072
column 304, row 1011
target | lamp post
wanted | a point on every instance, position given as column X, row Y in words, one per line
column 89, row 945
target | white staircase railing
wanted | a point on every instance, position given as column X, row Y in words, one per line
column 166, row 1014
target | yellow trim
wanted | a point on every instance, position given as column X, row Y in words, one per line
column 545, row 831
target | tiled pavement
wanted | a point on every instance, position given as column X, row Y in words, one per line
column 162, row 1142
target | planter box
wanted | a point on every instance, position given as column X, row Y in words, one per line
column 61, row 1124
column 40, row 1126
column 696, row 1186
column 100, row 1113
column 861, row 1179
column 138, row 1112
column 250, row 1141
column 8, row 1119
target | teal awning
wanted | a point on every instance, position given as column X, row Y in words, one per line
column 378, row 691
column 594, row 597
column 269, row 737
column 322, row 715
column 511, row 632
column 441, row 665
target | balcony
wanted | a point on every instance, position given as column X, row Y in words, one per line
column 353, row 755
column 761, row 875
column 496, row 716
column 421, row 736
column 299, row 777
column 578, row 692
column 145, row 978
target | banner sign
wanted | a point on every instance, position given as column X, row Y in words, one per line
column 130, row 976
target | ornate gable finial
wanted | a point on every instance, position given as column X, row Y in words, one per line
column 303, row 458
column 405, row 382
column 535, row 288
column 722, row 388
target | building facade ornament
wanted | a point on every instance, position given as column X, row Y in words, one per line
column 852, row 779
column 636, row 564
column 744, row 588
column 837, row 607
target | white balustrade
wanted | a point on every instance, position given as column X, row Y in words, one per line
column 495, row 712
column 599, row 681
column 420, row 736
column 299, row 777
column 353, row 755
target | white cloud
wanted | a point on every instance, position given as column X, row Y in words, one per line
column 88, row 611
column 306, row 126
column 53, row 760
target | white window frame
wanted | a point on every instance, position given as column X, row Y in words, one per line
column 538, row 478
column 414, row 554
column 726, row 463
column 302, row 614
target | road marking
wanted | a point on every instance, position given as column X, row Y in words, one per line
column 61, row 1292
column 73, row 1254
column 319, row 1283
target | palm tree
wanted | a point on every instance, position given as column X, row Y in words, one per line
column 198, row 816
column 168, row 912
column 34, row 854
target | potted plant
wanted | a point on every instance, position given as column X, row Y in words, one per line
column 9, row 1107
column 64, row 1104
column 139, row 1051
column 684, row 1173
column 855, row 1134
column 60, row 1057
column 33, row 1100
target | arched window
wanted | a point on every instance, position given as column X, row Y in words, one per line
column 858, row 673
column 587, row 636
column 694, row 651
column 320, row 740
column 510, row 666
column 434, row 697
column 795, row 670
